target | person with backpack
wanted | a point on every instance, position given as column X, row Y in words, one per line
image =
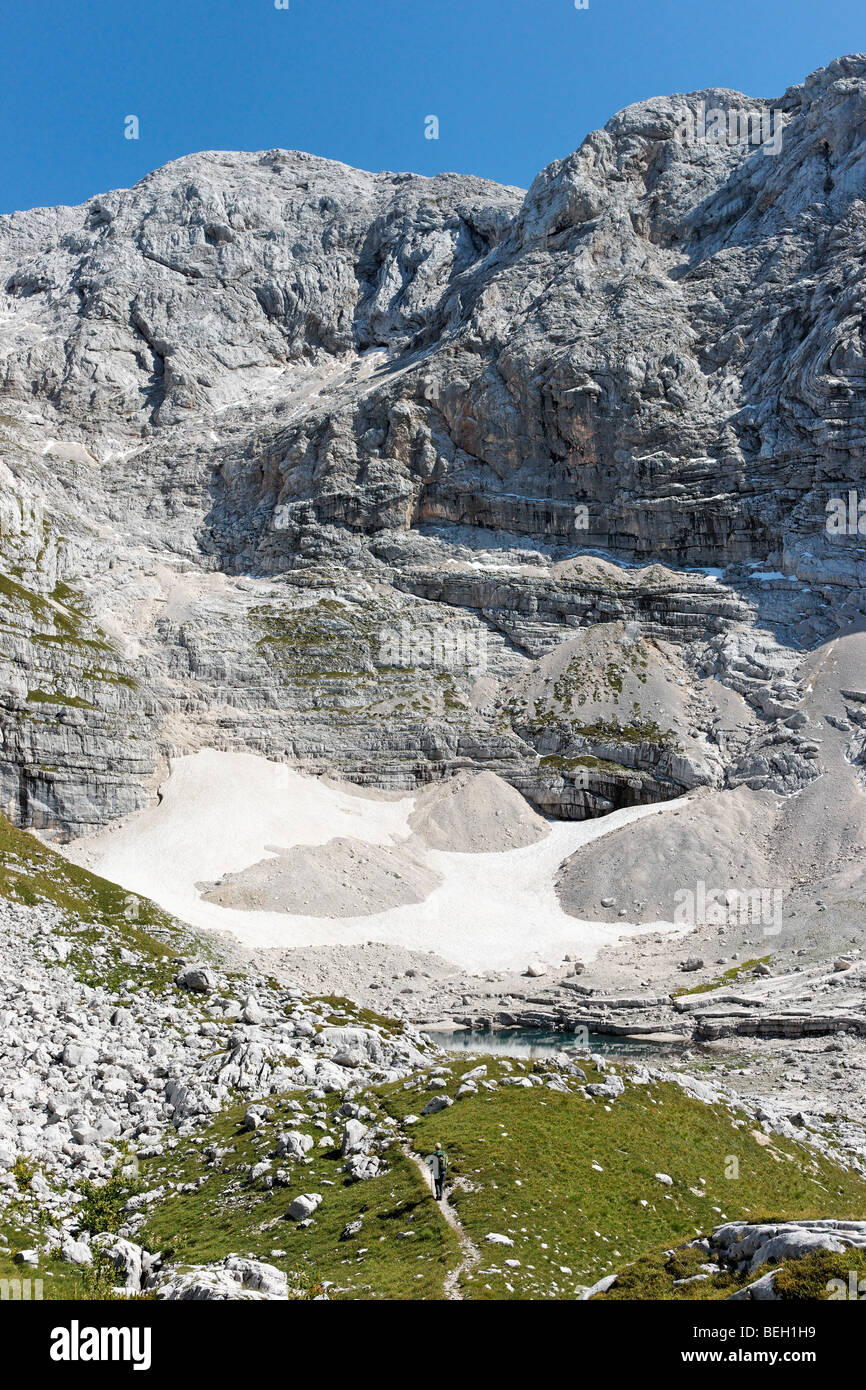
column 438, row 1162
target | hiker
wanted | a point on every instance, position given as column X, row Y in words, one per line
column 438, row 1161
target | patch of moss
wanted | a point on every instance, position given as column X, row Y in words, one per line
column 52, row 697
column 729, row 977
column 111, row 677
column 640, row 730
column 823, row 1276
column 343, row 1011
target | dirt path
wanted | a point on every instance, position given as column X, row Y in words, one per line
column 470, row 1254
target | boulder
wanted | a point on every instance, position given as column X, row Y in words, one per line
column 294, row 1144
column 361, row 1167
column 136, row 1267
column 793, row 1245
column 233, row 1278
column 601, row 1286
column 607, row 1090
column 748, row 1245
column 76, row 1252
column 436, row 1104
column 199, row 979
column 303, row 1207
column 355, row 1138
column 78, row 1055
column 762, row 1290
column 255, row 1117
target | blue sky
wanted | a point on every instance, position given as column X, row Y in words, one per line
column 514, row 83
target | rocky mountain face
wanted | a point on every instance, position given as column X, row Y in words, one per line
column 395, row 476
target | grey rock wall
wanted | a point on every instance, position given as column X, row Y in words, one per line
column 270, row 408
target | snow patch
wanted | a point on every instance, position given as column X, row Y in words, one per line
column 223, row 812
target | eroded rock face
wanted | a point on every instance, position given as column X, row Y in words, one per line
column 308, row 461
column 80, row 1075
column 233, row 1278
column 655, row 337
column 744, row 1245
column 304, row 258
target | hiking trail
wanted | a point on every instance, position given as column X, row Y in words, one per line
column 469, row 1251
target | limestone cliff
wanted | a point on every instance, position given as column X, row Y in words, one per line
column 397, row 476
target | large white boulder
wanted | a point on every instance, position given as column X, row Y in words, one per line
column 303, row 1207
column 233, row 1278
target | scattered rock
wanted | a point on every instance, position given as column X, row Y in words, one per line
column 303, row 1207
column 436, row 1104
column 230, row 1279
column 200, row 979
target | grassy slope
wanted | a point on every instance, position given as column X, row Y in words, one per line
column 528, row 1156
column 33, row 874
column 229, row 1214
column 522, row 1160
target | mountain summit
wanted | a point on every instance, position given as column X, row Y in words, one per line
column 397, row 476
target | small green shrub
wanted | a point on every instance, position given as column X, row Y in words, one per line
column 23, row 1171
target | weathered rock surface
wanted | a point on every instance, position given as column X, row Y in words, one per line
column 740, row 1243
column 743, row 1247
column 299, row 459
column 232, row 1278
column 86, row 1068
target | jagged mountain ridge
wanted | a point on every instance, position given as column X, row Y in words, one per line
column 653, row 321
column 665, row 334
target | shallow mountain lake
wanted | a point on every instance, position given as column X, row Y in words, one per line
column 535, row 1042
